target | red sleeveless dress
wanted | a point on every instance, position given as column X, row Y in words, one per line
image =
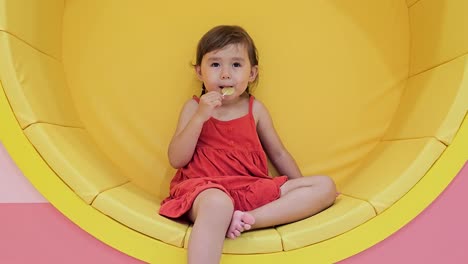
column 229, row 157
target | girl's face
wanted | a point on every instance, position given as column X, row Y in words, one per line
column 227, row 67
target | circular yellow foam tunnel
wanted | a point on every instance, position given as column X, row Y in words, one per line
column 373, row 94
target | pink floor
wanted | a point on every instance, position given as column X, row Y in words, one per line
column 32, row 231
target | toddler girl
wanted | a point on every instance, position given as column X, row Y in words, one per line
column 219, row 148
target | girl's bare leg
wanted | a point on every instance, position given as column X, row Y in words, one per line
column 300, row 198
column 211, row 213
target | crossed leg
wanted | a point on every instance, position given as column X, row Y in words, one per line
column 300, row 198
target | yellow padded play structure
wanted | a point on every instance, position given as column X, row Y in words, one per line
column 371, row 93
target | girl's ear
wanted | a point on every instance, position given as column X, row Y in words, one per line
column 253, row 73
column 198, row 72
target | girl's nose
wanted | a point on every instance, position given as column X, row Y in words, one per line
column 225, row 74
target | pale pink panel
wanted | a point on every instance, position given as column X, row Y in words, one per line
column 37, row 233
column 14, row 186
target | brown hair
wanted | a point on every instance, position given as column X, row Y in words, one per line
column 222, row 36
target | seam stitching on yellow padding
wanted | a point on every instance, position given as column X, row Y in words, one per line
column 415, row 2
column 465, row 116
column 9, row 104
column 189, row 224
column 413, row 138
column 105, row 190
column 438, row 65
column 281, row 237
column 52, row 124
column 363, row 200
column 27, row 43
column 425, row 173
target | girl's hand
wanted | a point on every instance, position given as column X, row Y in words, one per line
column 208, row 102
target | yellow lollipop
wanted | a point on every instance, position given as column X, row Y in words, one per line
column 227, row 90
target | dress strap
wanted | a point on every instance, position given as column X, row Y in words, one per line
column 251, row 101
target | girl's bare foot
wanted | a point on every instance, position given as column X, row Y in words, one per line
column 240, row 222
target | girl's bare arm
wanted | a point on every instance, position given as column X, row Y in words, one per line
column 185, row 138
column 279, row 156
column 191, row 120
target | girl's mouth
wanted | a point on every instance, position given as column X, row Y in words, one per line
column 228, row 90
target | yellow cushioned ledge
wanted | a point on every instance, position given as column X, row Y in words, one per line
column 73, row 155
column 346, row 214
column 392, row 169
column 434, row 103
column 137, row 209
column 257, row 241
column 35, row 85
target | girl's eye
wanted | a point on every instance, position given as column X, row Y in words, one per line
column 214, row 64
column 236, row 64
